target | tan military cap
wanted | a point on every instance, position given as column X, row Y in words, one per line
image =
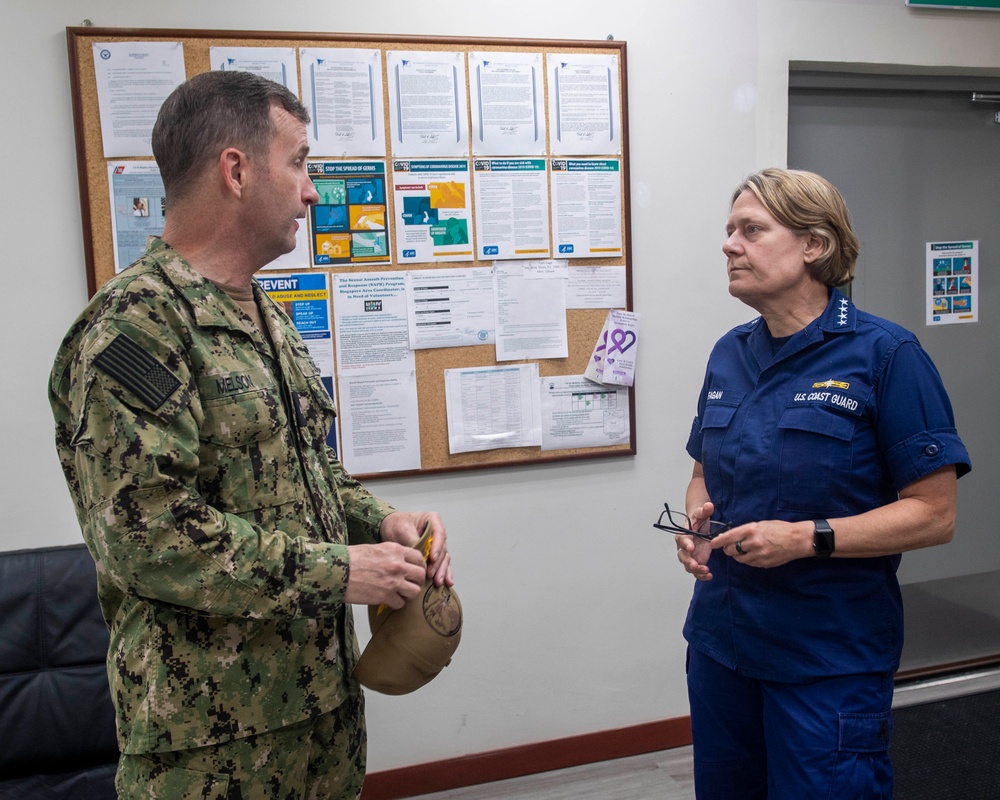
column 411, row 645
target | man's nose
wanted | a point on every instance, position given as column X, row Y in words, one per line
column 309, row 195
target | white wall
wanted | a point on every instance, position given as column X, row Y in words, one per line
column 574, row 603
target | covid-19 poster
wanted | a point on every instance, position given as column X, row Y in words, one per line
column 348, row 220
column 952, row 282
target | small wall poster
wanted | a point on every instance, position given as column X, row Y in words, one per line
column 952, row 282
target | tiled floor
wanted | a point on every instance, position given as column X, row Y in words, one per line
column 664, row 776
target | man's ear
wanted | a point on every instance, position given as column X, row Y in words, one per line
column 233, row 170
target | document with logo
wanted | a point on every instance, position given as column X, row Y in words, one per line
column 508, row 117
column 587, row 208
column 376, row 373
column 349, row 219
column 512, row 208
column 371, row 323
column 428, row 114
column 133, row 80
column 274, row 63
column 450, row 307
column 342, row 90
column 584, row 104
column 613, row 360
column 433, row 208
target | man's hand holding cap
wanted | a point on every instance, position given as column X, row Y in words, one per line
column 411, row 645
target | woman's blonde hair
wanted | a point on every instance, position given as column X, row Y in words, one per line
column 809, row 205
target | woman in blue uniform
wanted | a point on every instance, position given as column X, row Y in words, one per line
column 825, row 438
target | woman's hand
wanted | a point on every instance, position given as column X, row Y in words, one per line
column 769, row 543
column 692, row 552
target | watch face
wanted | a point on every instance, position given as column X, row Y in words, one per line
column 823, row 542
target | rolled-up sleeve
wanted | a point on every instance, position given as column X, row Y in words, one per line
column 916, row 424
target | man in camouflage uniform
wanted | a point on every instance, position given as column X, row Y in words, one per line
column 191, row 424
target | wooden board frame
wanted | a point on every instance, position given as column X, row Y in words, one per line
column 583, row 325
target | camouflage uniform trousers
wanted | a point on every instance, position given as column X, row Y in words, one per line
column 322, row 758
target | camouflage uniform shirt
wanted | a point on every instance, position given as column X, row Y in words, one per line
column 195, row 451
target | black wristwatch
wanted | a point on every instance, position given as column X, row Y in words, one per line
column 822, row 538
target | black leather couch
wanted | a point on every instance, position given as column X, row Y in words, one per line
column 57, row 724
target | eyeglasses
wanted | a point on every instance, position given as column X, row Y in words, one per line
column 676, row 522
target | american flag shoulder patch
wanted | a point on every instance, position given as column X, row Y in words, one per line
column 137, row 371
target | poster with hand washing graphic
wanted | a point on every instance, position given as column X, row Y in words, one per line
column 952, row 282
column 347, row 224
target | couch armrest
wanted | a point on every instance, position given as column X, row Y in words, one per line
column 55, row 705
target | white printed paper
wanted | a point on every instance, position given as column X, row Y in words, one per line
column 428, row 114
column 508, row 116
column 579, row 413
column 379, row 422
column 274, row 63
column 530, row 310
column 299, row 257
column 370, row 315
column 450, row 307
column 596, row 287
column 584, row 104
column 342, row 89
column 133, row 80
column 492, row 407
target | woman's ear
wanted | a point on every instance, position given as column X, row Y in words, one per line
column 815, row 247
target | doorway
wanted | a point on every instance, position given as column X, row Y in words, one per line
column 918, row 161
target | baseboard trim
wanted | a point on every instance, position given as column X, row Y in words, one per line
column 968, row 665
column 573, row 751
column 529, row 759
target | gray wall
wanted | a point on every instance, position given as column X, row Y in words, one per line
column 574, row 604
column 917, row 161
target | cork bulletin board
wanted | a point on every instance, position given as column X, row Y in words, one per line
column 584, row 325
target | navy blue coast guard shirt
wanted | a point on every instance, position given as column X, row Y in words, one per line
column 849, row 411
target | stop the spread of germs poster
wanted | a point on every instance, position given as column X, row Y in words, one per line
column 952, row 282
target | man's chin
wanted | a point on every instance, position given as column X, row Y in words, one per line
column 290, row 243
column 278, row 253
